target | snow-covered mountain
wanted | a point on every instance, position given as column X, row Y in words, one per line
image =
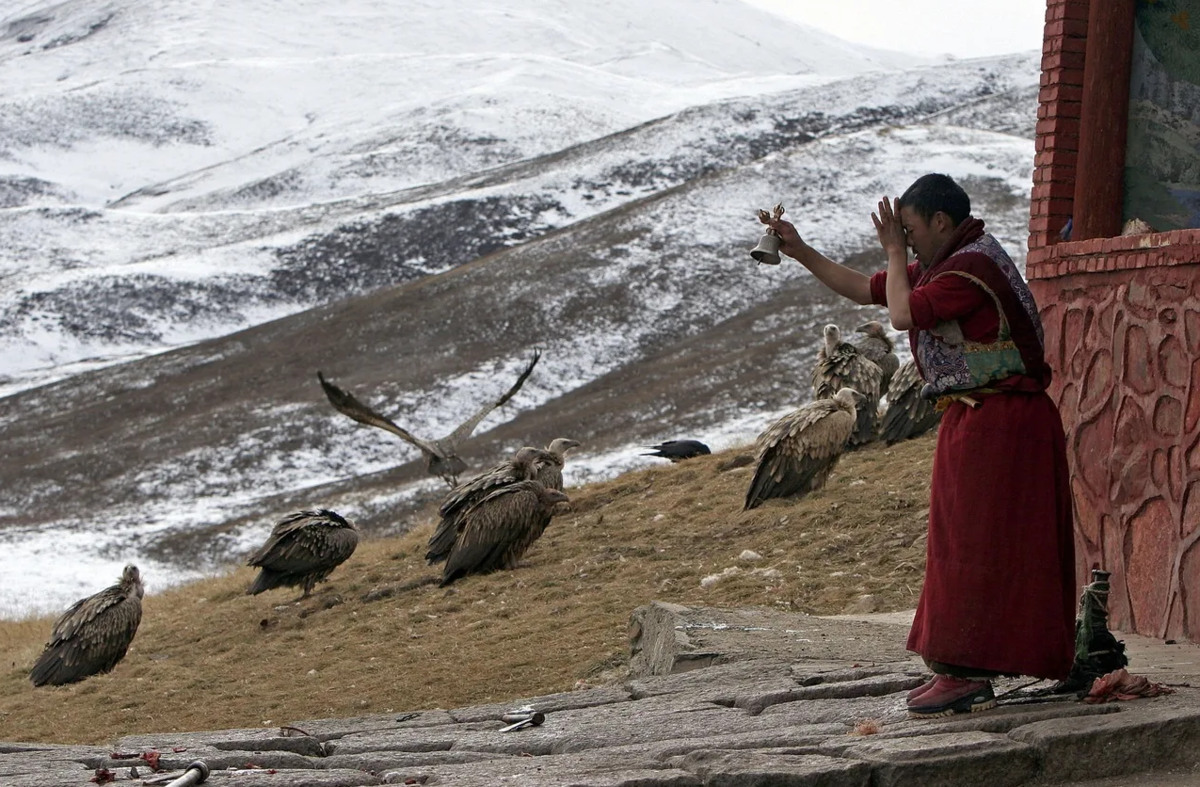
column 410, row 199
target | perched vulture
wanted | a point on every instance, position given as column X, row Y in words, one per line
column 797, row 453
column 499, row 529
column 550, row 473
column 93, row 635
column 841, row 365
column 908, row 414
column 303, row 549
column 441, row 455
column 525, row 465
column 877, row 346
column 678, row 450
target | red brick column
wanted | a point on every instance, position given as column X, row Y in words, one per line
column 1099, row 186
column 1060, row 102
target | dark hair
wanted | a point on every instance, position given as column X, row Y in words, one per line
column 932, row 193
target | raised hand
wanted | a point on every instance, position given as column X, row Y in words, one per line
column 889, row 229
column 792, row 244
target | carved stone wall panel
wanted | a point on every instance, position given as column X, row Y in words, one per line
column 1126, row 349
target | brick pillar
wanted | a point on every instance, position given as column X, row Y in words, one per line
column 1099, row 188
column 1060, row 101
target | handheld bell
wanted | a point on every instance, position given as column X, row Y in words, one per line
column 767, row 250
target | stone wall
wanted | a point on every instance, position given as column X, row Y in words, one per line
column 1122, row 320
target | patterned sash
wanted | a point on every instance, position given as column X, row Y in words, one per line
column 947, row 361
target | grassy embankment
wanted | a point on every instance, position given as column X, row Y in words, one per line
column 377, row 638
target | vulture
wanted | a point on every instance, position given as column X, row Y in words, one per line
column 678, row 450
column 93, row 635
column 877, row 346
column 499, row 529
column 550, row 473
column 303, row 549
column 797, row 453
column 841, row 365
column 908, row 413
column 525, row 465
column 441, row 455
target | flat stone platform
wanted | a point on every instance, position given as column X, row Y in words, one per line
column 717, row 698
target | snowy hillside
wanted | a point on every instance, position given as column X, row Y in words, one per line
column 271, row 194
column 221, row 114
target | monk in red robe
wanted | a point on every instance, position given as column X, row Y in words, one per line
column 999, row 593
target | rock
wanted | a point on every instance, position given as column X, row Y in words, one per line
column 658, row 647
column 1137, row 738
column 767, row 769
column 948, row 760
column 750, row 556
column 713, row 579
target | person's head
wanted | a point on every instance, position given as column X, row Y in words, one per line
column 930, row 210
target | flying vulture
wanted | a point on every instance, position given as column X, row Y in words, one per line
column 500, row 528
column 303, row 549
column 93, row 635
column 797, row 453
column 908, row 414
column 678, row 450
column 441, row 455
column 877, row 346
column 841, row 365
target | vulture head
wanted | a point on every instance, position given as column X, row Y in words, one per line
column 531, row 458
column 552, row 497
column 848, row 397
column 131, row 581
column 833, row 337
column 560, row 445
column 873, row 328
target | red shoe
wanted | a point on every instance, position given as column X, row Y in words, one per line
column 924, row 687
column 953, row 695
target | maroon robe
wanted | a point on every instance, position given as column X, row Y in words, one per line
column 999, row 590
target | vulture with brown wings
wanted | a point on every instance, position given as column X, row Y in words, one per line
column 523, row 466
column 908, row 413
column 93, row 635
column 877, row 346
column 841, row 365
column 441, row 455
column 302, row 550
column 500, row 528
column 797, row 453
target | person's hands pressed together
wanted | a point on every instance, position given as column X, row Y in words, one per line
column 890, row 230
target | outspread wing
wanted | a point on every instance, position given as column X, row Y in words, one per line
column 908, row 415
column 345, row 403
column 797, row 452
column 90, row 637
column 465, row 429
column 496, row 531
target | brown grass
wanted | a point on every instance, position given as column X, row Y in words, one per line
column 376, row 638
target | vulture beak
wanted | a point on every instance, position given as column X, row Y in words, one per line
column 864, row 328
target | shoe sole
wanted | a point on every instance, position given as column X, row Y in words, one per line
column 974, row 707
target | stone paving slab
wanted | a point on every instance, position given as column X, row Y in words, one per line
column 762, row 714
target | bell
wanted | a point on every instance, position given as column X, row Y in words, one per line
column 767, row 250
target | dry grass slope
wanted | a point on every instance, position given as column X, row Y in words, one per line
column 377, row 637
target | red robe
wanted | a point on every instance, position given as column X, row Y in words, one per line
column 999, row 590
